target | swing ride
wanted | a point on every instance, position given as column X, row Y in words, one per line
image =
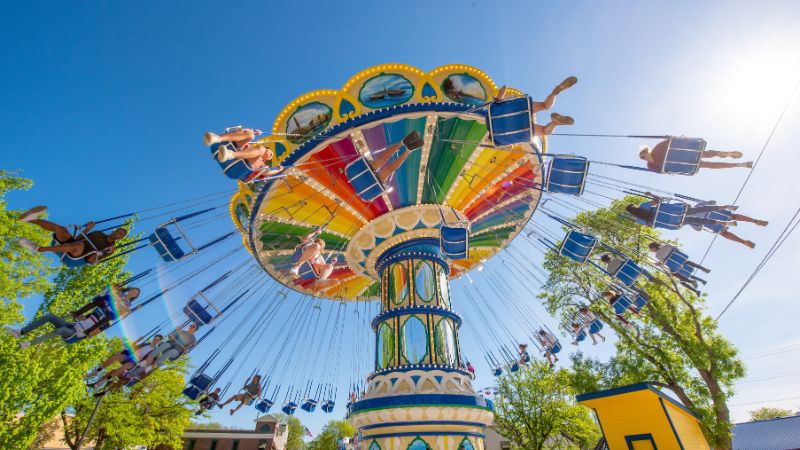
column 379, row 195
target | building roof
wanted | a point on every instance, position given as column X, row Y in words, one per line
column 634, row 388
column 782, row 433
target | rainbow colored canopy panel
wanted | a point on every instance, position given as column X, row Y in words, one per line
column 394, row 155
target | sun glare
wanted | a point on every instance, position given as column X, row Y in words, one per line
column 757, row 83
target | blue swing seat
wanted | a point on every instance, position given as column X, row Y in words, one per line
column 198, row 313
column 580, row 336
column 595, row 326
column 201, row 381
column 723, row 215
column 497, row 371
column 309, row 405
column 510, row 121
column 676, row 263
column 567, row 174
column 192, row 392
column 364, row 180
column 621, row 305
column 514, row 368
column 289, row 408
column 235, row 169
column 71, row 340
column 628, row 272
column 640, row 301
column 683, row 156
column 454, row 241
column 668, row 216
column 167, row 245
column 327, row 406
column 264, row 406
column 555, row 348
column 577, row 246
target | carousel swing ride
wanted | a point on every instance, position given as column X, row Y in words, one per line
column 381, row 194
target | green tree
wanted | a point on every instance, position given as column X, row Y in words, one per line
column 40, row 382
column 331, row 432
column 296, row 431
column 767, row 413
column 675, row 346
column 535, row 408
column 153, row 413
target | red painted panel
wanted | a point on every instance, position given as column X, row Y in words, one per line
column 519, row 180
column 327, row 167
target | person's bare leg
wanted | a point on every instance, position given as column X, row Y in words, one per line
column 238, row 407
column 551, row 99
column 308, row 253
column 250, row 153
column 73, row 249
column 61, row 232
column 116, row 358
column 732, row 237
column 724, row 165
column 244, row 135
column 386, row 154
column 741, row 218
column 385, row 172
column 232, row 398
column 720, row 154
column 324, row 271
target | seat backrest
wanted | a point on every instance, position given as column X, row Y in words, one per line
column 577, row 246
column 454, row 241
column 197, row 313
column 628, row 272
column 567, row 174
column 683, row 156
column 363, row 179
column 192, row 392
column 166, row 245
column 670, row 215
column 201, row 381
column 511, row 121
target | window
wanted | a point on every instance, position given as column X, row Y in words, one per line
column 444, row 287
column 445, row 342
column 414, row 340
column 262, row 444
column 265, row 428
column 398, row 283
column 418, row 444
column 385, row 346
column 213, row 445
column 424, row 281
column 190, row 444
column 235, row 444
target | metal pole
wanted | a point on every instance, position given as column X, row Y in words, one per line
column 89, row 424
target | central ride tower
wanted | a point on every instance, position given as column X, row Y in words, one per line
column 419, row 396
column 462, row 187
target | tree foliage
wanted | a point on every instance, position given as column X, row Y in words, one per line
column 331, row 432
column 767, row 413
column 152, row 413
column 296, row 431
column 41, row 382
column 536, row 409
column 676, row 345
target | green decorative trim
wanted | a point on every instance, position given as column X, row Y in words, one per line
column 374, row 445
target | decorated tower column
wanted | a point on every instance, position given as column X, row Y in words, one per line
column 419, row 396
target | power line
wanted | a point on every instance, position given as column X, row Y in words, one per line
column 787, row 231
column 755, row 163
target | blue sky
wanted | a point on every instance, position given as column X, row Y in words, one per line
column 104, row 104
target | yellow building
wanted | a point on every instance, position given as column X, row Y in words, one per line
column 641, row 417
